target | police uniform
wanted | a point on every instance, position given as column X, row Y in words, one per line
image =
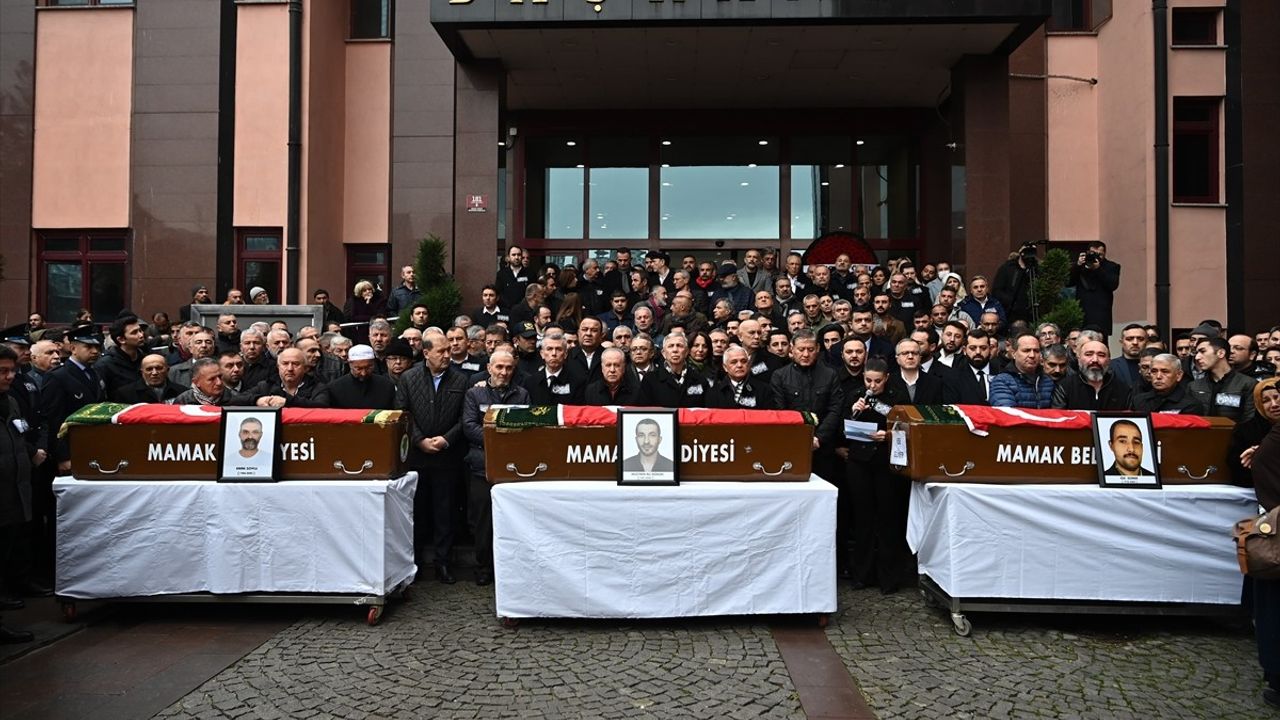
column 70, row 387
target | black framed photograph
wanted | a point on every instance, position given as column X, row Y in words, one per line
column 250, row 447
column 1124, row 449
column 648, row 447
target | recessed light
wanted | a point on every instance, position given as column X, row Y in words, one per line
column 666, row 142
column 666, row 165
column 744, row 184
column 728, row 217
column 839, row 165
column 764, row 142
column 571, row 143
column 751, row 164
column 580, row 165
column 825, row 183
column 862, row 142
column 502, row 143
column 666, row 184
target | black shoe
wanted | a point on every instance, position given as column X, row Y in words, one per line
column 484, row 577
column 9, row 603
column 1271, row 696
column 443, row 574
column 34, row 589
column 8, row 636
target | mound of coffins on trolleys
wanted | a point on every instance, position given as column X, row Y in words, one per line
column 979, row 444
column 111, row 441
column 569, row 442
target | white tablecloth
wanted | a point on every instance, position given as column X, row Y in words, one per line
column 132, row 539
column 594, row 549
column 1080, row 542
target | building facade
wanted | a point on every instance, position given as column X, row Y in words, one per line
column 147, row 146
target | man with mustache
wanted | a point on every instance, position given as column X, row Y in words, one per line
column 648, row 459
column 1095, row 387
column 1126, row 445
column 250, row 437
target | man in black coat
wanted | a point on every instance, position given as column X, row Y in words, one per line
column 1011, row 287
column 362, row 388
column 810, row 386
column 71, row 386
column 969, row 382
column 555, row 382
column 512, row 279
column 154, row 386
column 259, row 367
column 586, row 356
column 119, row 366
column 434, row 394
column 1167, row 393
column 616, row 386
column 673, row 384
column 921, row 387
column 1095, row 387
column 16, row 458
column 1095, row 279
column 738, row 388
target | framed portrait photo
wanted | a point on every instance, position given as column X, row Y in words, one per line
column 1125, row 451
column 250, row 447
column 648, row 447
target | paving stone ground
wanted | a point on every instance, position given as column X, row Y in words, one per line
column 443, row 654
column 910, row 664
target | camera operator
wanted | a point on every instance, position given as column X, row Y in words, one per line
column 1095, row 279
column 1012, row 284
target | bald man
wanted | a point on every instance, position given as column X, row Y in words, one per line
column 155, row 385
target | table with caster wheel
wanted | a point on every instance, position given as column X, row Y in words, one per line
column 346, row 542
column 1074, row 549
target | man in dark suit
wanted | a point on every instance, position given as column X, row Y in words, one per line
column 555, row 382
column 616, row 385
column 923, row 388
column 586, row 356
column 433, row 393
column 154, row 385
column 71, row 386
column 512, row 279
column 648, row 442
column 673, row 383
column 738, row 388
column 969, row 382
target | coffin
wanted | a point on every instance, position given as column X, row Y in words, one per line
column 715, row 444
column 942, row 448
column 162, row 442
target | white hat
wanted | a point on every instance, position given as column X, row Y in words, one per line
column 255, row 292
column 359, row 352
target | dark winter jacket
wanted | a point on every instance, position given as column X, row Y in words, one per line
column 1014, row 389
column 1074, row 393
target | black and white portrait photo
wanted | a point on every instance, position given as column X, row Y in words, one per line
column 648, row 447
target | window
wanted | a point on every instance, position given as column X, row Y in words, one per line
column 1195, row 149
column 371, row 19
column 1195, row 26
column 889, row 180
column 258, row 261
column 821, row 186
column 83, row 270
column 719, row 188
column 1078, row 15
column 365, row 262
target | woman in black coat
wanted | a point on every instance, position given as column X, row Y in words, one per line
column 878, row 496
column 365, row 304
column 1264, row 461
column 1246, row 435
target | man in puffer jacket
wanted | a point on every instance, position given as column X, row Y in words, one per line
column 1024, row 384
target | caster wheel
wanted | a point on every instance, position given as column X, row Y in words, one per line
column 823, row 620
column 962, row 625
column 375, row 614
column 69, row 612
column 510, row 623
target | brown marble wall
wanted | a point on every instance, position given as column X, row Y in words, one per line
column 985, row 81
column 174, row 163
column 1260, row 115
column 17, row 102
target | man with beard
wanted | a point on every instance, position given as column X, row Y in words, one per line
column 784, row 297
column 970, row 380
column 752, row 276
column 1242, row 352
column 928, row 342
column 1024, row 384
column 1095, row 387
column 231, row 368
column 887, row 325
column 952, row 342
column 619, row 278
column 1221, row 390
column 332, row 313
column 258, row 365
column 154, row 387
column 199, row 296
column 730, row 289
column 121, row 364
column 1133, row 338
column 705, row 280
column 673, row 384
column 362, row 387
column 497, row 389
column 615, row 386
column 512, row 279
column 1057, row 362
column 779, row 343
column 1167, row 393
column 862, row 326
column 1126, row 446
column 737, row 388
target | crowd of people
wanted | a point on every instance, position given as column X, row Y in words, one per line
column 840, row 341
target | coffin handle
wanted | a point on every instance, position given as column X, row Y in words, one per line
column 511, row 467
column 1207, row 472
column 123, row 464
column 968, row 465
column 338, row 465
column 786, row 465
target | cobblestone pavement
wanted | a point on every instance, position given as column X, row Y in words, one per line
column 443, row 654
column 910, row 664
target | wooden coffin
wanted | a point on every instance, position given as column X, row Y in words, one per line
column 949, row 452
column 709, row 452
column 311, row 451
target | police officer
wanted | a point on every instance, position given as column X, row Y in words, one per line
column 71, row 386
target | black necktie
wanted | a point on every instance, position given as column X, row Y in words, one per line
column 982, row 380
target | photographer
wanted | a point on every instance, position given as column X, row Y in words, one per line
column 1095, row 279
column 1012, row 284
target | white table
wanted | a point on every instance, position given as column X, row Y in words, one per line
column 598, row 550
column 1080, row 542
column 130, row 539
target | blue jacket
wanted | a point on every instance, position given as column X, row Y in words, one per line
column 1013, row 389
column 970, row 305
